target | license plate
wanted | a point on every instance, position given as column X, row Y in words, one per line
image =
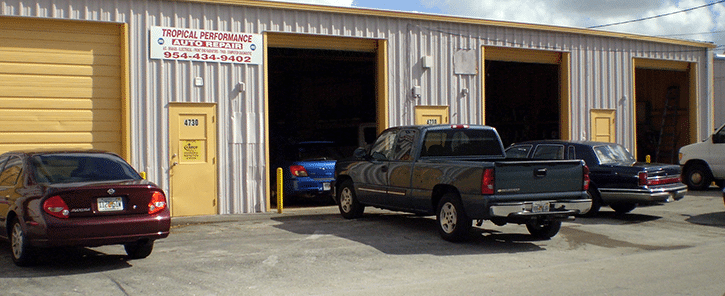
column 110, row 204
column 540, row 207
column 326, row 186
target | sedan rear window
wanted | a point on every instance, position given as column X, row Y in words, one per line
column 81, row 167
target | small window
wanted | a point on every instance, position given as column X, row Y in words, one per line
column 404, row 145
column 383, row 148
column 13, row 168
column 519, row 151
column 548, row 151
column 572, row 153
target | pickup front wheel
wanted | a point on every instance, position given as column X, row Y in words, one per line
column 350, row 208
column 543, row 229
column 453, row 223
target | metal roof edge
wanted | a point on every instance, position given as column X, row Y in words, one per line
column 447, row 18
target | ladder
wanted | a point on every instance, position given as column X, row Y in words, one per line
column 667, row 141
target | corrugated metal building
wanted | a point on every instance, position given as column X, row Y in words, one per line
column 203, row 122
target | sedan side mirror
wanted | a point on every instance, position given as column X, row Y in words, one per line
column 360, row 152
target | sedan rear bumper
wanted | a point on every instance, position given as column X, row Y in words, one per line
column 99, row 231
column 644, row 195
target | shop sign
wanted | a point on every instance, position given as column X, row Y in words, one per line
column 205, row 46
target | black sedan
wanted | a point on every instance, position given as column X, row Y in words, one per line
column 617, row 179
column 78, row 198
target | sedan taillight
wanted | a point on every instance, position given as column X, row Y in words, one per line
column 157, row 203
column 298, row 171
column 56, row 207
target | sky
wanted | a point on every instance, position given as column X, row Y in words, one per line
column 682, row 19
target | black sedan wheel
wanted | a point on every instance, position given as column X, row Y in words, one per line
column 139, row 250
column 453, row 222
column 350, row 208
column 543, row 229
column 697, row 177
column 22, row 252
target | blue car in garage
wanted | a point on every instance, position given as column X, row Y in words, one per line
column 308, row 169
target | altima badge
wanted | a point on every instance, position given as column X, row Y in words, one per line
column 111, row 191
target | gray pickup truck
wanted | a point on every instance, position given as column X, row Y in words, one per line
column 458, row 173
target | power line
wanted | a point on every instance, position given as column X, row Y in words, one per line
column 657, row 16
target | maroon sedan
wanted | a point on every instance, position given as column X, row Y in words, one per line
column 78, row 198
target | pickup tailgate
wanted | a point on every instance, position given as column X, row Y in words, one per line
column 538, row 179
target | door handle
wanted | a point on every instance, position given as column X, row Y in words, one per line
column 540, row 173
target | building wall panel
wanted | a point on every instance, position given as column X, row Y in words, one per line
column 600, row 72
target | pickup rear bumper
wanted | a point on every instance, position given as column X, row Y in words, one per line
column 537, row 209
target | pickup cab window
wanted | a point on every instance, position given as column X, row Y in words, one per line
column 456, row 142
column 404, row 146
column 383, row 147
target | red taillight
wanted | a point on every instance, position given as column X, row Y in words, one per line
column 644, row 181
column 642, row 178
column 487, row 182
column 56, row 207
column 157, row 203
column 298, row 171
column 586, row 182
column 459, row 126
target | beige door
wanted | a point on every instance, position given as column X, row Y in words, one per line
column 602, row 125
column 192, row 139
column 431, row 115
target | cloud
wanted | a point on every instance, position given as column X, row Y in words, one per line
column 587, row 13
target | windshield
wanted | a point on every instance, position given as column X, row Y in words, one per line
column 612, row 154
column 81, row 167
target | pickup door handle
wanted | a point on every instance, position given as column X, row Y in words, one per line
column 540, row 173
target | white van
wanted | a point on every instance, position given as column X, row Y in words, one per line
column 704, row 162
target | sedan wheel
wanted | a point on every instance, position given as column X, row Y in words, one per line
column 139, row 250
column 22, row 252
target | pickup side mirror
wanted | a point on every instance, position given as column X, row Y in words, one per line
column 360, row 152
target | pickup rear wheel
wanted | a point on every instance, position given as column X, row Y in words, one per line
column 698, row 177
column 453, row 223
column 349, row 207
column 623, row 208
column 543, row 229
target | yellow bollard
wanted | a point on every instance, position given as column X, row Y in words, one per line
column 280, row 190
column 648, row 159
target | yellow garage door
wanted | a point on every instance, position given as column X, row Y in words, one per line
column 61, row 84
